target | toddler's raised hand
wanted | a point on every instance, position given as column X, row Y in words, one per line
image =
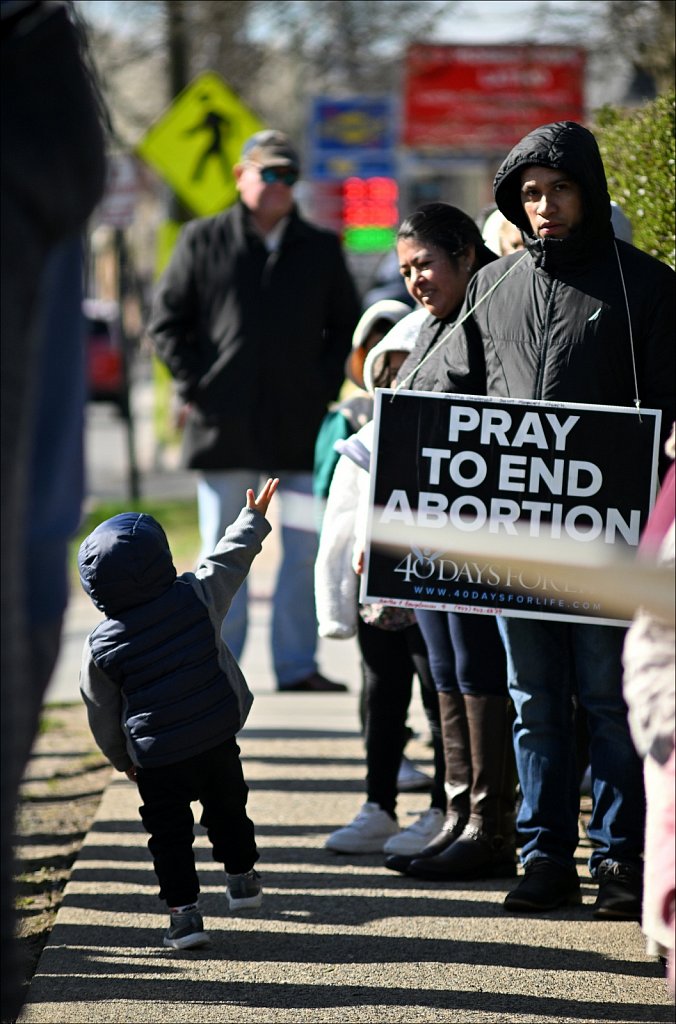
column 261, row 502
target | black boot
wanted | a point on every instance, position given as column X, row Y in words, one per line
column 486, row 847
column 455, row 736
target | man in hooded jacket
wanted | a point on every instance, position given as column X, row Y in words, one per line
column 581, row 317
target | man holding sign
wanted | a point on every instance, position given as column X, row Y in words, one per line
column 579, row 318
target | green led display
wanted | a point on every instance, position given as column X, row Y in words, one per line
column 369, row 239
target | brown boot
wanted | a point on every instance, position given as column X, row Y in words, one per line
column 455, row 736
column 486, row 847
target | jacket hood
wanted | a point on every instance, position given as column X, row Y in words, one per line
column 125, row 562
column 390, row 310
column 401, row 338
column 569, row 147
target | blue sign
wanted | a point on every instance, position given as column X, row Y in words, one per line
column 353, row 137
column 353, row 164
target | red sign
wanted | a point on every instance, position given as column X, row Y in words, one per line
column 489, row 97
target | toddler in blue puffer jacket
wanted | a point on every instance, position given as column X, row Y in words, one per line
column 166, row 698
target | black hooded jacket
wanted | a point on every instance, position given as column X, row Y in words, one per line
column 256, row 341
column 558, row 327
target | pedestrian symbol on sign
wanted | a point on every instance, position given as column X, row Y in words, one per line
column 196, row 143
column 215, row 126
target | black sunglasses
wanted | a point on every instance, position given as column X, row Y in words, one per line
column 287, row 175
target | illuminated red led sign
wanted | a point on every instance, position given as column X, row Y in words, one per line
column 370, row 213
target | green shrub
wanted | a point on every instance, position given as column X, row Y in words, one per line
column 638, row 152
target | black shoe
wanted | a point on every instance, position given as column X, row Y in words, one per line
column 473, row 855
column 545, row 886
column 450, row 831
column 316, row 683
column 620, row 891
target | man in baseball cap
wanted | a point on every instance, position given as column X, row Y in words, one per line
column 265, row 176
column 254, row 317
column 270, row 148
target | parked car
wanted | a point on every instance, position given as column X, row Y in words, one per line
column 106, row 374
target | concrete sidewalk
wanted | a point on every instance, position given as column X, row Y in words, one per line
column 337, row 938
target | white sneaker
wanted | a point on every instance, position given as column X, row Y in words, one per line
column 418, row 835
column 368, row 833
column 410, row 779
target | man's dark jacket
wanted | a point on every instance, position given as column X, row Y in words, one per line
column 557, row 327
column 257, row 341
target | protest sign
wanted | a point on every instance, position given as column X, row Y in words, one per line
column 447, row 470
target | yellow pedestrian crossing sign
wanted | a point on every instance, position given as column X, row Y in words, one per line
column 196, row 142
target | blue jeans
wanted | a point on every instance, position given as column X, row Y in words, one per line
column 465, row 653
column 221, row 496
column 547, row 662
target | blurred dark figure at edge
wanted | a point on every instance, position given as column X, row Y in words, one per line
column 53, row 170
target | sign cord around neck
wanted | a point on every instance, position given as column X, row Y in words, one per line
column 457, row 324
column 637, row 400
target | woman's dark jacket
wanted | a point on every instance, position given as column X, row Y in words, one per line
column 256, row 341
column 556, row 328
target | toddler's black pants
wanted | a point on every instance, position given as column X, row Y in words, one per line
column 215, row 779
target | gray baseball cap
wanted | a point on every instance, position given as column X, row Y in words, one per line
column 270, row 148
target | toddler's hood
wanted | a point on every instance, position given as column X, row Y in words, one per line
column 125, row 562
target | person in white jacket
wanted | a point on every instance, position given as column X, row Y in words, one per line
column 391, row 645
